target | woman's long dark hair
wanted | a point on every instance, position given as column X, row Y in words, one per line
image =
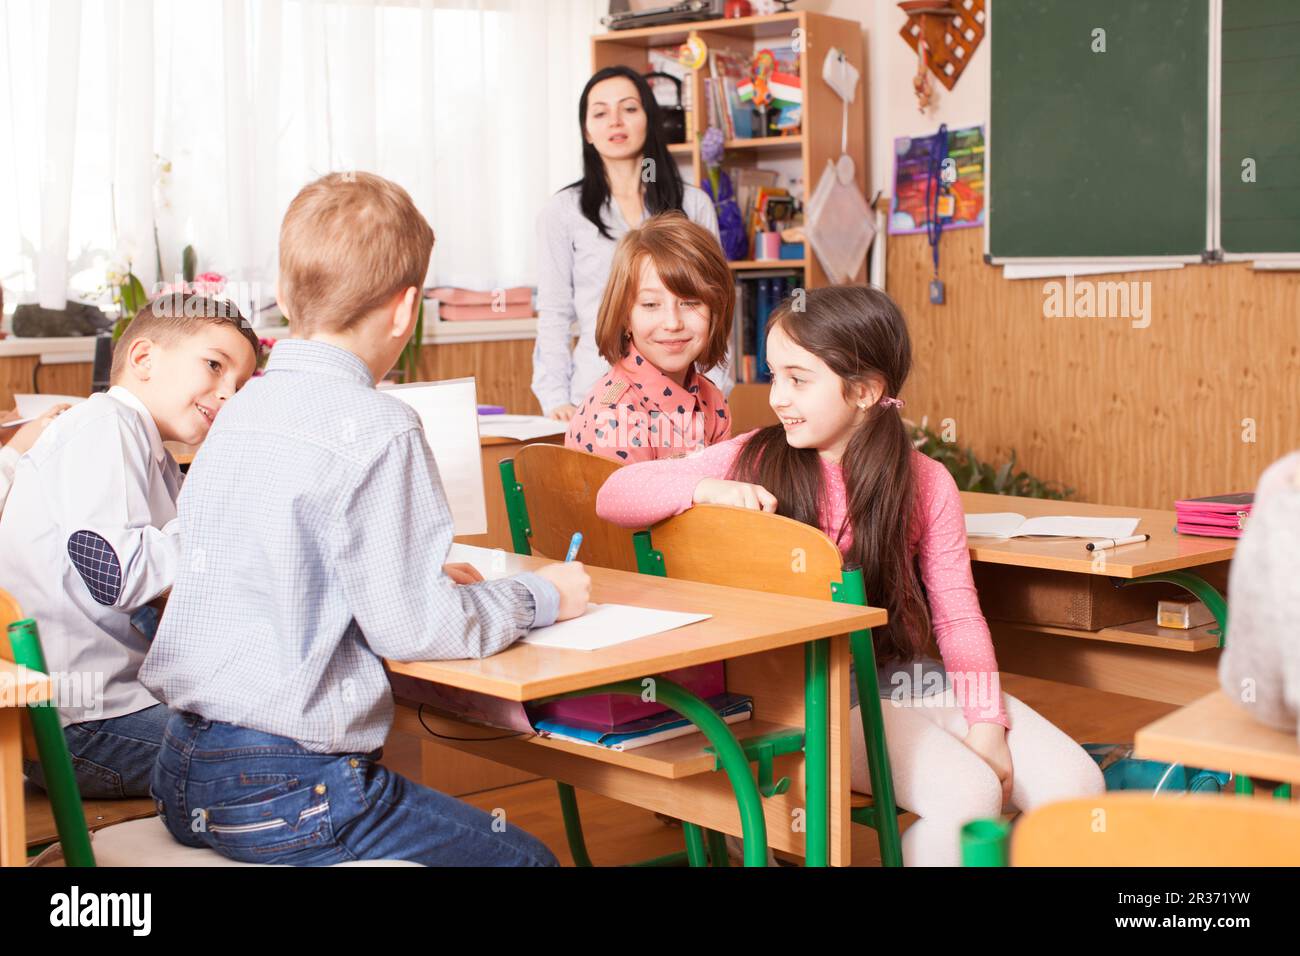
column 860, row 334
column 663, row 189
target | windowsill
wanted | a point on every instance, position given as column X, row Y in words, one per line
column 82, row 348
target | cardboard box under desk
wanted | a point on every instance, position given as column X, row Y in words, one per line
column 1086, row 602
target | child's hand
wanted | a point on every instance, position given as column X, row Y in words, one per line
column 574, row 584
column 26, row 436
column 561, row 413
column 990, row 742
column 737, row 494
column 461, row 573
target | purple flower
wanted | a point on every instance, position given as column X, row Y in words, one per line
column 711, row 146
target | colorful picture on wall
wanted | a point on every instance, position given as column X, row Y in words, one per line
column 959, row 167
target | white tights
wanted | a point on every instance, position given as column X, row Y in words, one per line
column 945, row 783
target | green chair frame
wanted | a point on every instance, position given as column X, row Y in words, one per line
column 881, row 815
column 52, row 747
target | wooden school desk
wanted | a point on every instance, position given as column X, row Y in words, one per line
column 1139, row 659
column 19, row 687
column 492, row 449
column 1217, row 734
column 761, row 636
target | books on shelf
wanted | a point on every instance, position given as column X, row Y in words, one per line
column 732, row 708
column 756, row 299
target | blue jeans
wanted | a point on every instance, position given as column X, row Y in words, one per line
column 260, row 798
column 112, row 758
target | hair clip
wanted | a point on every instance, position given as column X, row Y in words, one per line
column 889, row 402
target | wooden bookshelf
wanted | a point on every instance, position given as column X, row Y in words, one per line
column 818, row 142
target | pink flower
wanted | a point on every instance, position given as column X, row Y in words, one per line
column 208, row 283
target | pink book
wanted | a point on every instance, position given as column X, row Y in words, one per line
column 451, row 296
column 466, row 313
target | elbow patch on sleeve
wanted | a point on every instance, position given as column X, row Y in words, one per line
column 97, row 563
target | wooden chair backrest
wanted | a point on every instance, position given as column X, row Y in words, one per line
column 1135, row 829
column 560, row 487
column 739, row 548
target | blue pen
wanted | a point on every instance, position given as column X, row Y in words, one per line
column 574, row 544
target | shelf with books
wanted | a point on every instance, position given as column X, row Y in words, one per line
column 742, row 265
column 766, row 142
column 798, row 157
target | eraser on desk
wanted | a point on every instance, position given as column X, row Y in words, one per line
column 491, row 409
column 1182, row 613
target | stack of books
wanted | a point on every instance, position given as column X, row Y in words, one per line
column 732, row 708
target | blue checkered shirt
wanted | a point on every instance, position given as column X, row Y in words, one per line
column 314, row 533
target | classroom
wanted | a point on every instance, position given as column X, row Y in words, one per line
column 657, row 434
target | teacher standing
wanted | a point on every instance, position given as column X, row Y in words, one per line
column 627, row 176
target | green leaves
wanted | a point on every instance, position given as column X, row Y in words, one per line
column 132, row 299
column 189, row 263
column 409, row 361
column 971, row 474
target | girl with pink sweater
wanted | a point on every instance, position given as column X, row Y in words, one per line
column 841, row 460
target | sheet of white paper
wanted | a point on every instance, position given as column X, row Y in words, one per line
column 1006, row 524
column 520, row 427
column 998, row 524
column 605, row 625
column 1065, row 526
column 32, row 406
column 449, row 412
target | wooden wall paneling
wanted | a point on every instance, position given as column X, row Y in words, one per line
column 503, row 371
column 1127, row 416
column 16, row 378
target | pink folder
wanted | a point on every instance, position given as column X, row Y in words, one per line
column 1218, row 516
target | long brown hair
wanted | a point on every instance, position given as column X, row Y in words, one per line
column 860, row 334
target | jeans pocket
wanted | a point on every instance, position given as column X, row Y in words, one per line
column 280, row 826
column 97, row 782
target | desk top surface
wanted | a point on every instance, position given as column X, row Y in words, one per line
column 1217, row 733
column 743, row 622
column 1166, row 551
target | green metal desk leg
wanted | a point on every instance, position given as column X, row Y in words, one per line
column 573, row 824
column 729, row 753
column 52, row 746
column 694, row 844
column 851, row 590
column 1199, row 588
column 717, row 849
column 816, row 755
column 986, row 842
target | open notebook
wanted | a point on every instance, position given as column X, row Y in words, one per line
column 1005, row 524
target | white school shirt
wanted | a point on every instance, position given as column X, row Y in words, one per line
column 87, row 537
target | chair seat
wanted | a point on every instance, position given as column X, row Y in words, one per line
column 147, row 843
column 39, row 814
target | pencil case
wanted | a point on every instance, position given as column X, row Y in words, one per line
column 1217, row 516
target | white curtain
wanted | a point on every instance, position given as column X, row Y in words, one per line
column 196, row 122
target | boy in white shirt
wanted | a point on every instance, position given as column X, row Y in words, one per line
column 88, row 537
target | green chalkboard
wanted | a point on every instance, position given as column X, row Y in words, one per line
column 1094, row 153
column 1259, row 120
